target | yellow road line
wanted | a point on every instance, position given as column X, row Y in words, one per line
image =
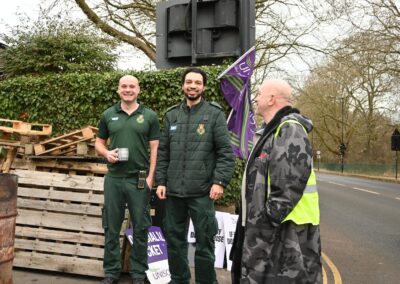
column 336, row 275
column 324, row 276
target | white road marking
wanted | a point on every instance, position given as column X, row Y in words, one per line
column 336, row 183
column 398, row 198
column 365, row 190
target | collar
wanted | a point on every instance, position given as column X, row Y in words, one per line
column 118, row 108
column 194, row 107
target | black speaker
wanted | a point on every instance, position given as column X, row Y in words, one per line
column 396, row 140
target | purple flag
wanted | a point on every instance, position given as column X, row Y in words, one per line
column 235, row 85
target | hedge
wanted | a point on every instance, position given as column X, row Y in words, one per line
column 72, row 101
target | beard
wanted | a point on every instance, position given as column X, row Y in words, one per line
column 193, row 98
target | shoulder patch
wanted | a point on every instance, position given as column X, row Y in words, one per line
column 216, row 105
column 172, row 107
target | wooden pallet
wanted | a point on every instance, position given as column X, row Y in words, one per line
column 59, row 224
column 70, row 167
column 66, row 144
column 25, row 128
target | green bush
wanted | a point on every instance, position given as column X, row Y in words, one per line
column 72, row 101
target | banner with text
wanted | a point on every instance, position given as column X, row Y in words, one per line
column 157, row 255
column 223, row 239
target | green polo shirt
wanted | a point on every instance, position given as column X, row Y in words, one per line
column 129, row 131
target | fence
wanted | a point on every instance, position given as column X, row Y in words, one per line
column 363, row 169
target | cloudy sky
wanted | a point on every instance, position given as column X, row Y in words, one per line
column 10, row 8
column 128, row 58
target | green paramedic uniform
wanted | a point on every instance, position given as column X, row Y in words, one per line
column 194, row 154
column 120, row 185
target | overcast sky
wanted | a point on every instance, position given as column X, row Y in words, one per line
column 128, row 58
column 10, row 8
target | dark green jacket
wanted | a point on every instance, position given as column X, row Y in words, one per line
column 194, row 150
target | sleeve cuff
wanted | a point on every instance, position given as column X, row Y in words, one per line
column 221, row 183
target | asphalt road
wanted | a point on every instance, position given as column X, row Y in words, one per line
column 360, row 228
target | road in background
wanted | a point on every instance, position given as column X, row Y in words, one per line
column 360, row 227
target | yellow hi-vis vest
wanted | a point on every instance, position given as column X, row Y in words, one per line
column 307, row 209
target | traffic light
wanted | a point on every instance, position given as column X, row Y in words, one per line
column 195, row 32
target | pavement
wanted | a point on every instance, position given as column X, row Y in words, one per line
column 27, row 276
column 34, row 276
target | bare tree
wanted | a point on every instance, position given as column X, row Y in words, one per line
column 358, row 76
column 284, row 28
column 380, row 19
column 132, row 22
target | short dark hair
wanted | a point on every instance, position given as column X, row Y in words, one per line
column 194, row 70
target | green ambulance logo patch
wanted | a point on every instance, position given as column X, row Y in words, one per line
column 140, row 118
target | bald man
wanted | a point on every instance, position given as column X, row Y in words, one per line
column 135, row 129
column 278, row 237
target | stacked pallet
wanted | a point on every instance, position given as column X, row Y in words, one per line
column 75, row 143
column 60, row 196
column 59, row 224
column 26, row 145
column 17, row 137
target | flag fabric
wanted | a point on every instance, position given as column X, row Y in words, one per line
column 235, row 85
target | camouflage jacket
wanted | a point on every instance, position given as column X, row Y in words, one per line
column 276, row 252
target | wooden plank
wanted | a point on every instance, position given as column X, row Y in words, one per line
column 13, row 143
column 82, row 149
column 61, row 196
column 59, row 180
column 11, row 153
column 57, row 235
column 87, row 167
column 75, row 133
column 59, row 248
column 59, row 206
column 65, row 264
column 59, row 221
column 25, row 128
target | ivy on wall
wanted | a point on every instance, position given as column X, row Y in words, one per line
column 72, row 101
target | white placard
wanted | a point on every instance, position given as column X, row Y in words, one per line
column 219, row 240
column 191, row 235
column 230, row 221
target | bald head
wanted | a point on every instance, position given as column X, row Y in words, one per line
column 273, row 95
column 128, row 78
column 279, row 88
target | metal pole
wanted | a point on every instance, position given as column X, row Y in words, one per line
column 194, row 32
column 396, row 163
column 342, row 154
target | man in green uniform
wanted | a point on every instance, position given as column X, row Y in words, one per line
column 194, row 164
column 134, row 127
